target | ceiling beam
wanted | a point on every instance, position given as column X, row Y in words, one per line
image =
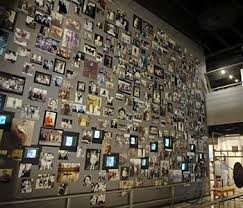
column 220, row 39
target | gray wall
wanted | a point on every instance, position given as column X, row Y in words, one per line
column 130, row 8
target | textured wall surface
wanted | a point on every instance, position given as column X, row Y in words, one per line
column 152, row 73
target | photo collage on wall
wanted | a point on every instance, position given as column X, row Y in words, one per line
column 102, row 94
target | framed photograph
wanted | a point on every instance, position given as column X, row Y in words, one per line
column 168, row 143
column 90, row 50
column 124, row 87
column 28, row 69
column 98, row 40
column 153, row 130
column 66, row 108
column 108, row 61
column 64, row 52
column 153, row 146
column 156, row 96
column 89, row 8
column 46, row 44
column 6, row 120
column 72, row 24
column 37, row 59
column 70, row 141
column 124, row 173
column 110, row 15
column 133, row 141
column 110, row 161
column 31, row 155
column 45, row 181
column 45, row 5
column 144, row 163
column 3, row 41
column 121, row 21
column 63, row 7
column 49, row 119
column 93, row 105
column 92, row 161
column 42, row 78
column 59, row 66
column 111, row 29
column 137, row 22
column 24, row 170
column 48, row 64
column 2, row 101
column 52, row 104
column 56, row 19
column 126, row 38
column 70, row 39
column 30, row 112
column 66, row 123
column 68, row 172
column 158, row 71
column 43, row 19
column 50, row 137
column 36, row 94
column 11, row 83
column 97, row 136
column 46, row 161
column 88, row 25
column 7, row 18
column 63, row 155
column 90, row 69
column 10, row 56
column 26, row 185
column 136, row 91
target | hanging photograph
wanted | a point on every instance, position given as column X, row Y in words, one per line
column 49, row 119
column 24, row 170
column 64, row 52
column 7, row 18
column 52, row 104
column 124, row 87
column 30, row 112
column 92, row 161
column 46, row 44
column 98, row 40
column 11, row 83
column 70, row 39
column 89, row 8
column 108, row 61
column 36, row 94
column 63, row 6
column 90, row 50
column 10, row 56
column 56, row 19
column 93, row 105
column 70, row 141
column 98, row 199
column 50, row 137
column 26, row 185
column 137, row 22
column 28, row 69
column 68, row 172
column 66, row 123
column 73, row 24
column 45, row 181
column 48, row 64
column 3, row 41
column 110, row 15
column 111, row 29
column 136, row 91
column 30, row 22
column 59, row 66
column 46, row 161
column 45, row 5
column 121, row 21
column 42, row 78
column 66, row 108
column 90, row 69
column 63, row 155
column 43, row 19
column 88, row 25
column 37, row 59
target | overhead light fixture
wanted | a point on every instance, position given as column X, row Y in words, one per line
column 222, row 71
column 236, row 80
column 231, row 76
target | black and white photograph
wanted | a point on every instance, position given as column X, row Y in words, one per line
column 30, row 112
column 26, row 185
column 88, row 25
column 36, row 94
column 111, row 29
column 137, row 22
column 13, row 102
column 10, row 56
column 46, row 161
column 66, row 123
column 63, row 154
column 28, row 69
column 52, row 104
column 12, row 83
column 45, row 181
column 124, row 173
column 78, row 97
column 121, row 21
column 48, row 64
column 63, row 7
column 110, row 15
column 57, row 80
column 37, row 59
column 90, row 50
column 124, row 87
column 62, row 189
column 108, row 60
column 98, row 199
column 92, row 160
column 24, row 170
column 7, row 18
column 89, row 8
column 135, row 167
column 81, row 86
column 43, row 19
column 66, row 108
column 45, row 5
column 30, row 22
column 59, row 66
column 42, row 78
column 98, row 40
column 50, row 137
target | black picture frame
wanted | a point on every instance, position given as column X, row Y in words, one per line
column 111, row 29
column 11, row 78
column 184, row 166
column 49, row 76
column 192, row 148
column 59, row 71
column 89, row 8
column 81, row 86
column 133, row 141
column 31, row 155
column 6, row 118
column 201, row 157
column 110, row 161
column 70, row 141
column 127, row 89
column 144, row 163
column 45, row 122
column 168, row 143
column 97, row 135
column 153, row 146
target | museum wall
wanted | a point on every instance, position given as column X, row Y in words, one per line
column 102, row 96
column 224, row 106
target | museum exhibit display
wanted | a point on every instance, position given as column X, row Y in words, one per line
column 94, row 98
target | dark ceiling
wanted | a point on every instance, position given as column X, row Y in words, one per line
column 215, row 25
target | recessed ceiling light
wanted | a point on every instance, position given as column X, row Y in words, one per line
column 236, row 80
column 222, row 71
column 231, row 76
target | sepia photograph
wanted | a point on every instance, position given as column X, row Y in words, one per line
column 92, row 161
column 50, row 119
column 36, row 94
column 68, row 172
column 50, row 137
column 59, row 66
column 93, row 105
column 42, row 78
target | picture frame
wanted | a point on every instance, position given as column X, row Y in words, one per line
column 168, row 143
column 89, row 8
column 133, row 141
column 37, row 94
column 111, row 29
column 50, row 137
column 6, row 118
column 124, row 87
column 144, row 163
column 59, row 66
column 108, row 60
column 97, row 135
column 92, row 159
column 137, row 22
column 12, row 83
column 81, row 86
column 153, row 146
column 31, row 155
column 8, row 21
column 110, row 161
column 136, row 91
column 90, row 50
column 47, row 44
column 42, row 78
column 192, row 148
column 70, row 141
column 49, row 119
